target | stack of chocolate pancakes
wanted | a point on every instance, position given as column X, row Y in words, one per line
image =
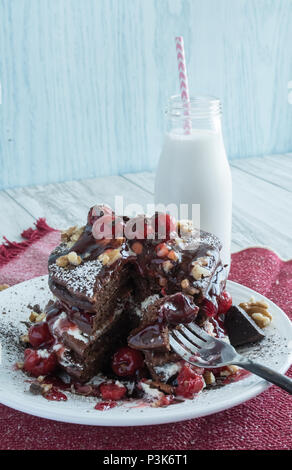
column 129, row 289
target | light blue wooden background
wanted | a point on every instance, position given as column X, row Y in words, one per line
column 84, row 82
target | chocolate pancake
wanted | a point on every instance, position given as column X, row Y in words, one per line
column 108, row 286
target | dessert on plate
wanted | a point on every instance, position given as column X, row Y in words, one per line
column 120, row 285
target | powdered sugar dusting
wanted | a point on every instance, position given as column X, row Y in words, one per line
column 81, row 279
column 168, row 370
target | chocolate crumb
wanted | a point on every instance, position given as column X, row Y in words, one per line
column 36, row 389
column 35, row 308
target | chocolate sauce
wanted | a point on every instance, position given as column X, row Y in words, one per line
column 147, row 264
column 177, row 308
column 150, row 337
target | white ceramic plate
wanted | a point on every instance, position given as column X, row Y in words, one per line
column 275, row 350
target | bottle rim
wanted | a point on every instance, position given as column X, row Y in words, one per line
column 204, row 106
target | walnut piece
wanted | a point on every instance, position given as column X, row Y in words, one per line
column 62, row 261
column 187, row 288
column 40, row 317
column 167, row 266
column 36, row 317
column 261, row 320
column 4, row 286
column 229, row 370
column 24, row 339
column 199, row 271
column 110, row 256
column 209, row 377
column 73, row 258
column 70, row 258
column 185, row 226
column 258, row 311
column 72, row 234
column 185, row 283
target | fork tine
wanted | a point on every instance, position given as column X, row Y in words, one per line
column 199, row 332
column 178, row 348
column 185, row 343
column 189, row 334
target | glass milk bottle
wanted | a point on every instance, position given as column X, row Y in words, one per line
column 193, row 167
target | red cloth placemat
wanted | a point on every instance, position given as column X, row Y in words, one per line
column 260, row 423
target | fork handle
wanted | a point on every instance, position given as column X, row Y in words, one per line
column 268, row 374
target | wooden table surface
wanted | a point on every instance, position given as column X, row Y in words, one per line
column 262, row 202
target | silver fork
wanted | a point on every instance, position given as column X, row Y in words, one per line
column 195, row 346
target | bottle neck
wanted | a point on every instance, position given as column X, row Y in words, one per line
column 199, row 113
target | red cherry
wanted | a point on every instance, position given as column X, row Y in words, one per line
column 164, row 225
column 208, row 308
column 103, row 227
column 139, row 228
column 126, row 361
column 112, row 391
column 55, row 395
column 224, row 302
column 98, row 211
column 39, row 362
column 107, row 227
column 105, row 405
column 217, row 370
column 177, row 309
column 39, row 334
column 239, row 375
column 189, row 381
column 162, row 250
column 167, row 400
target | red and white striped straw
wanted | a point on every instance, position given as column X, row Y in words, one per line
column 183, row 80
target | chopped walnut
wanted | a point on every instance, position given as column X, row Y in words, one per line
column 185, row 226
column 104, row 258
column 66, row 234
column 229, row 370
column 72, row 234
column 261, row 320
column 209, row 377
column 110, row 256
column 258, row 311
column 187, row 288
column 198, row 271
column 4, row 286
column 203, row 261
column 167, row 266
column 46, row 387
column 62, row 261
column 233, row 369
column 70, row 258
column 185, row 283
column 36, row 317
column 40, row 317
column 74, row 259
column 33, row 316
column 24, row 339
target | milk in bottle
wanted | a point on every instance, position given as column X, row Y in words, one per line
column 193, row 167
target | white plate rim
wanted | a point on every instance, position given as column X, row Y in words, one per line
column 173, row 414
